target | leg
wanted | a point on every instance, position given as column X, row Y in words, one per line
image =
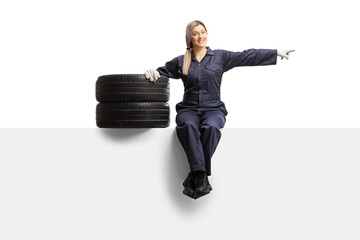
column 211, row 123
column 189, row 136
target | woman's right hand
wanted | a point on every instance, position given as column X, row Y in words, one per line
column 152, row 75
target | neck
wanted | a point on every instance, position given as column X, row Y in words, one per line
column 199, row 50
column 199, row 53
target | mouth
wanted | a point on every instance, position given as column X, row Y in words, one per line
column 201, row 41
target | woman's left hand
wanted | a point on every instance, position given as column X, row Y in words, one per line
column 285, row 53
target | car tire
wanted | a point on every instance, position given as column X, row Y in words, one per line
column 131, row 88
column 133, row 115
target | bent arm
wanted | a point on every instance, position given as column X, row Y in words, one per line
column 171, row 69
column 250, row 57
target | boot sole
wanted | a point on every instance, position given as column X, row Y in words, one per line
column 188, row 193
column 201, row 194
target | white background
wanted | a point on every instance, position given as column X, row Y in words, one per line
column 268, row 184
column 51, row 53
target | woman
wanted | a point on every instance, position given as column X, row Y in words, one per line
column 201, row 113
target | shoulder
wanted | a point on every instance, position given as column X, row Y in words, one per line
column 220, row 52
column 177, row 59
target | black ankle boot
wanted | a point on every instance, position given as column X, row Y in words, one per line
column 202, row 184
column 189, row 186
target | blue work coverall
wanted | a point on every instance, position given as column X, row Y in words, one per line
column 201, row 113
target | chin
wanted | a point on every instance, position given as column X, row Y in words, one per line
column 201, row 45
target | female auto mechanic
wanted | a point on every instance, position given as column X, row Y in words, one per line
column 201, row 113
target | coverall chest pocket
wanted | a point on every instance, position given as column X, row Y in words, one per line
column 213, row 72
column 213, row 67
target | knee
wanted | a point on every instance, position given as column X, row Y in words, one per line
column 187, row 123
column 211, row 127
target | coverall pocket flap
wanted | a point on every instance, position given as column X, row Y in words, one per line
column 212, row 67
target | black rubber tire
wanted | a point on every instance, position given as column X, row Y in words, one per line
column 133, row 115
column 131, row 88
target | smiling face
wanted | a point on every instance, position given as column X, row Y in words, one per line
column 199, row 36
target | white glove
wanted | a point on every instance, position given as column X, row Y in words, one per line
column 285, row 53
column 152, row 75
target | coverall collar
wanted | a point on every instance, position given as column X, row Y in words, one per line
column 208, row 52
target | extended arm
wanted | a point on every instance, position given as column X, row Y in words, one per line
column 250, row 57
column 170, row 70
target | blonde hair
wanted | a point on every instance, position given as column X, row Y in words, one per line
column 187, row 55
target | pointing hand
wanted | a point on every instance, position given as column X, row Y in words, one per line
column 285, row 53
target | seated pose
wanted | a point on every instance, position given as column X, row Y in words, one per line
column 201, row 113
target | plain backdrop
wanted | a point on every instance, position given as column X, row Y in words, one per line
column 51, row 53
column 268, row 183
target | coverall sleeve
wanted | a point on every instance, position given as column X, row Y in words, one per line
column 250, row 57
column 171, row 69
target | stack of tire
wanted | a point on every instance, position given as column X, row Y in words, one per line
column 132, row 101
